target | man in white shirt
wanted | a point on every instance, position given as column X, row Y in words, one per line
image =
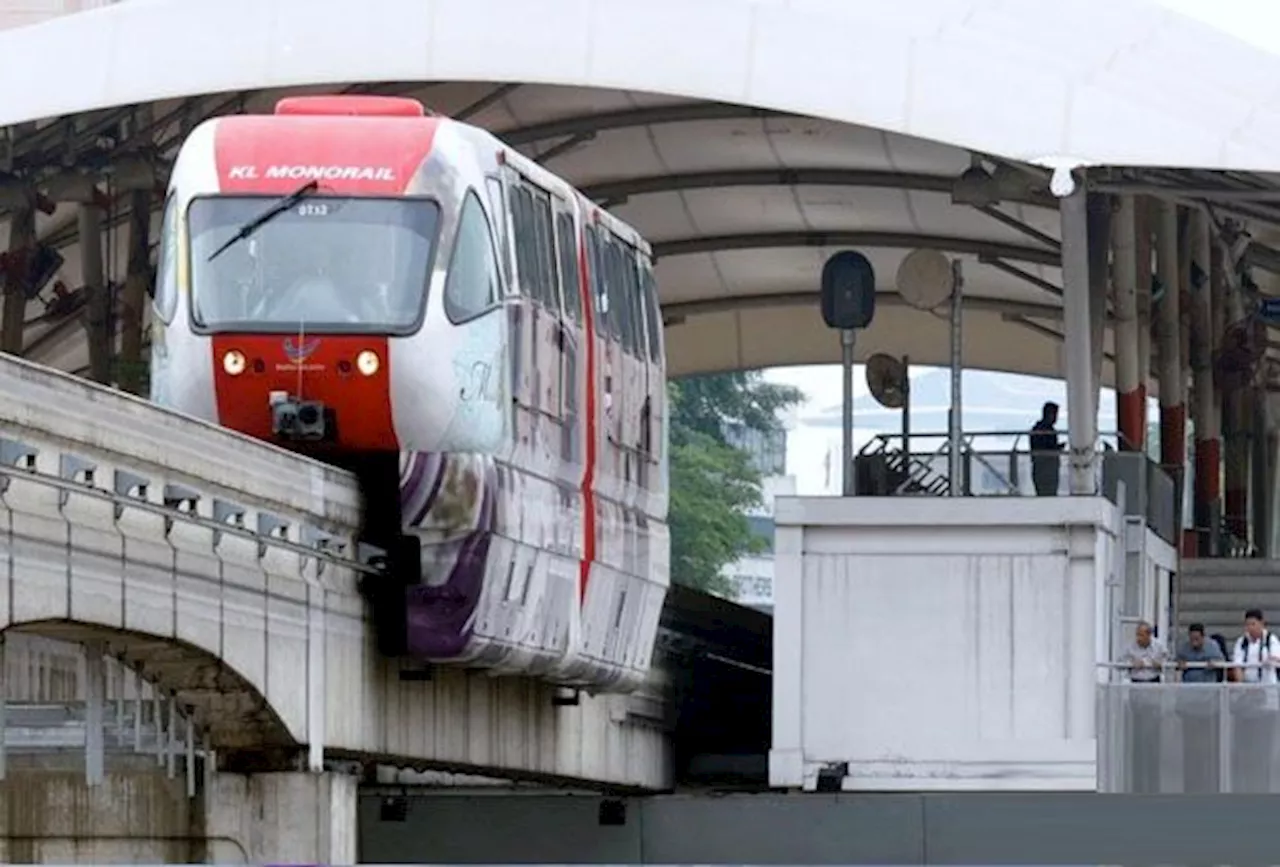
column 1257, row 652
column 1146, row 657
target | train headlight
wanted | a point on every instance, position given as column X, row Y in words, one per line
column 233, row 362
column 367, row 362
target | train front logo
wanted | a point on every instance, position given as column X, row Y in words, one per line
column 300, row 350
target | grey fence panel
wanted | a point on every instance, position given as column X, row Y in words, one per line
column 1178, row 738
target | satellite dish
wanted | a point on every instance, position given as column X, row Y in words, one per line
column 887, row 379
column 925, row 279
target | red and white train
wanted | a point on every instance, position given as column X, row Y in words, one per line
column 406, row 295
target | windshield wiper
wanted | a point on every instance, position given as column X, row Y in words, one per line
column 266, row 216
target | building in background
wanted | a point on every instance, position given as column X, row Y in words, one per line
column 752, row 576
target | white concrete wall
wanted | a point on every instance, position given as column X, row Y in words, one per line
column 139, row 816
column 287, row 818
column 940, row 643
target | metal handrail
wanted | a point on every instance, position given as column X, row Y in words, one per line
column 969, row 436
column 1129, row 666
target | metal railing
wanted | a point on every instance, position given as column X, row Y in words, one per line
column 1001, row 464
column 1173, row 737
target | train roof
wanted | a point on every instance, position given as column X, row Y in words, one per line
column 400, row 121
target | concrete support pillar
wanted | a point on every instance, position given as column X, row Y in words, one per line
column 1131, row 415
column 1143, row 275
column 1208, row 443
column 22, row 239
column 97, row 311
column 138, row 815
column 1235, row 428
column 1099, row 207
column 282, row 818
column 1260, row 510
column 1236, row 463
column 1271, row 537
column 1173, row 411
column 1078, row 312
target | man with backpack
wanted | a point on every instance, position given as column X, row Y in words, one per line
column 1199, row 711
column 1254, row 715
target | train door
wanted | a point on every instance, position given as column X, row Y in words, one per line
column 548, row 322
column 570, row 339
column 607, row 351
column 617, row 271
column 655, row 379
column 519, row 282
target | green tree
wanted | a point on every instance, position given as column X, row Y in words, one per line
column 713, row 484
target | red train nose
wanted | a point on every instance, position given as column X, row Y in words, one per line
column 328, row 390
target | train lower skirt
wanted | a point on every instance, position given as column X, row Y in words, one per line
column 501, row 587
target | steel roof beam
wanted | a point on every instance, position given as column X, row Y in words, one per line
column 620, row 190
column 680, row 310
column 1014, row 271
column 893, row 240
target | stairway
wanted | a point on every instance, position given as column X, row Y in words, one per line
column 1217, row 592
column 914, row 476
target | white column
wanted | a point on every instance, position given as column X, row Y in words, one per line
column 1142, row 254
column 1173, row 419
column 1078, row 343
column 1131, row 416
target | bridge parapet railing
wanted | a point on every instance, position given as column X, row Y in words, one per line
column 103, row 462
column 1174, row 737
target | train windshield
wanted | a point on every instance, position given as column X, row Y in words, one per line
column 327, row 263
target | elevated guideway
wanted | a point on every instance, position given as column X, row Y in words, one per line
column 224, row 572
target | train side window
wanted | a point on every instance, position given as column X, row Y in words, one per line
column 546, row 250
column 570, row 281
column 166, row 297
column 599, row 291
column 619, row 322
column 635, row 301
column 498, row 207
column 526, row 258
column 652, row 312
column 472, row 286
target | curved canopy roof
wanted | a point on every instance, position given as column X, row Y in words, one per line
column 746, row 140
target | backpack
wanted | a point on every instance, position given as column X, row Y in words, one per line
column 1242, row 644
column 1221, row 640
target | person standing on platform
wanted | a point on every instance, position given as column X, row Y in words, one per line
column 1254, row 714
column 1199, row 710
column 1046, row 452
column 1146, row 658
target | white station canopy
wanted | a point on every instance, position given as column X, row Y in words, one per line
column 748, row 139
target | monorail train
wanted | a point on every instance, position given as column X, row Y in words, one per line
column 405, row 295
